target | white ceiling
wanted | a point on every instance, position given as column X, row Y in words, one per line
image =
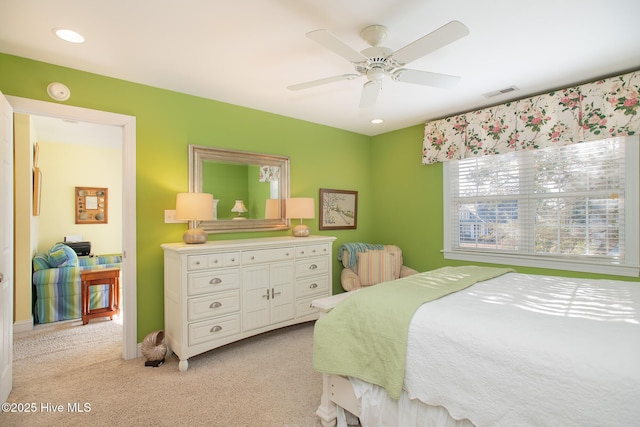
column 246, row 52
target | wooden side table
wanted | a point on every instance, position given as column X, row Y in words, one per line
column 104, row 276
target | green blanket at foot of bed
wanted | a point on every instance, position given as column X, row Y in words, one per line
column 365, row 336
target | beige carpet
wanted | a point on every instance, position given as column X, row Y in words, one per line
column 265, row 380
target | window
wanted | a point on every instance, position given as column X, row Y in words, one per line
column 572, row 207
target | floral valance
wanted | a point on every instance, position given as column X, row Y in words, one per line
column 597, row 110
column 269, row 173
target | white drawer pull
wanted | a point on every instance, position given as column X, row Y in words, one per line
column 233, row 259
column 215, row 261
column 216, row 304
column 197, row 262
column 216, row 328
column 313, row 286
column 302, row 252
column 215, row 281
column 313, row 267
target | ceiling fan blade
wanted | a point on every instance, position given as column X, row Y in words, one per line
column 433, row 41
column 370, row 92
column 425, row 78
column 319, row 82
column 335, row 45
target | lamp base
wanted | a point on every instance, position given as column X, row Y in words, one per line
column 301, row 230
column 195, row 235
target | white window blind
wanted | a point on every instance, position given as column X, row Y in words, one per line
column 572, row 207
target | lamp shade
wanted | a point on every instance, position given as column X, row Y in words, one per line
column 194, row 206
column 272, row 209
column 300, row 207
column 239, row 207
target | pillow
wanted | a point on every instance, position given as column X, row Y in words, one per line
column 376, row 266
column 62, row 256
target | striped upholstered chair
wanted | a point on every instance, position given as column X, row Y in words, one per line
column 57, row 287
column 367, row 264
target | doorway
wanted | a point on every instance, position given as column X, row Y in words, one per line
column 127, row 124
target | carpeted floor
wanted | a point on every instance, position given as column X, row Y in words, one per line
column 79, row 378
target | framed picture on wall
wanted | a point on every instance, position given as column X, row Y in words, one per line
column 338, row 209
column 92, row 205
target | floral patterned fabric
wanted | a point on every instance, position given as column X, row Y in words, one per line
column 269, row 173
column 602, row 109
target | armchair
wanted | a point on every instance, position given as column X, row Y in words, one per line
column 367, row 264
column 56, row 283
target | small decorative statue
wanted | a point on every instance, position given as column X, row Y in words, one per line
column 154, row 349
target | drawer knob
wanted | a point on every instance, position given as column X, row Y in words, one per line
column 215, row 304
column 215, row 281
column 313, row 286
column 302, row 252
column 313, row 267
column 252, row 257
column 216, row 328
column 215, row 261
column 233, row 260
column 197, row 262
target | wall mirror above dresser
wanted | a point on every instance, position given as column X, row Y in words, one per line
column 249, row 189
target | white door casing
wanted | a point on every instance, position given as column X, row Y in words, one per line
column 128, row 124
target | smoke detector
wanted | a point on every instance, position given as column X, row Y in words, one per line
column 58, row 91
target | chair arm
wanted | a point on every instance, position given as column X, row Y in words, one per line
column 407, row 271
column 350, row 280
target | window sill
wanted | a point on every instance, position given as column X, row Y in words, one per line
column 554, row 264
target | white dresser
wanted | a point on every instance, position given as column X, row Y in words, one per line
column 226, row 290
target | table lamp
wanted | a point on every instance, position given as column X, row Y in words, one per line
column 302, row 208
column 240, row 208
column 194, row 207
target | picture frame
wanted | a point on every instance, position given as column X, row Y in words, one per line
column 92, row 205
column 338, row 209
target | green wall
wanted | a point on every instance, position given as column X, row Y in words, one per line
column 399, row 200
column 166, row 123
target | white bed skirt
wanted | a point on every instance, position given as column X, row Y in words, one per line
column 377, row 409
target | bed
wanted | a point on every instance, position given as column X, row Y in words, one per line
column 502, row 349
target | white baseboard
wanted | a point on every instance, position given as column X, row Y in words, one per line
column 23, row 326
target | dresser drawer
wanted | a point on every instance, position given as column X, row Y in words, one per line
column 304, row 307
column 267, row 255
column 212, row 330
column 204, row 261
column 312, row 286
column 312, row 266
column 210, row 306
column 312, row 250
column 213, row 281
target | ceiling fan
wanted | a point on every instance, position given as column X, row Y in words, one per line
column 377, row 62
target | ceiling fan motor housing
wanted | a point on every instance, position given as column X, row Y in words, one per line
column 377, row 65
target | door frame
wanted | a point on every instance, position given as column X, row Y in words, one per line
column 128, row 124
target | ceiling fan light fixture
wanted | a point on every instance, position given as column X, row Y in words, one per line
column 68, row 35
column 375, row 74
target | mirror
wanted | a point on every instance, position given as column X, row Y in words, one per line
column 249, row 189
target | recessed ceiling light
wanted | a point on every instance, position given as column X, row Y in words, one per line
column 68, row 35
column 377, row 121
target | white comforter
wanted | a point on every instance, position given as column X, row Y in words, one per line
column 526, row 350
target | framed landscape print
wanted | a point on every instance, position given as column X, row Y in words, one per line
column 338, row 209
